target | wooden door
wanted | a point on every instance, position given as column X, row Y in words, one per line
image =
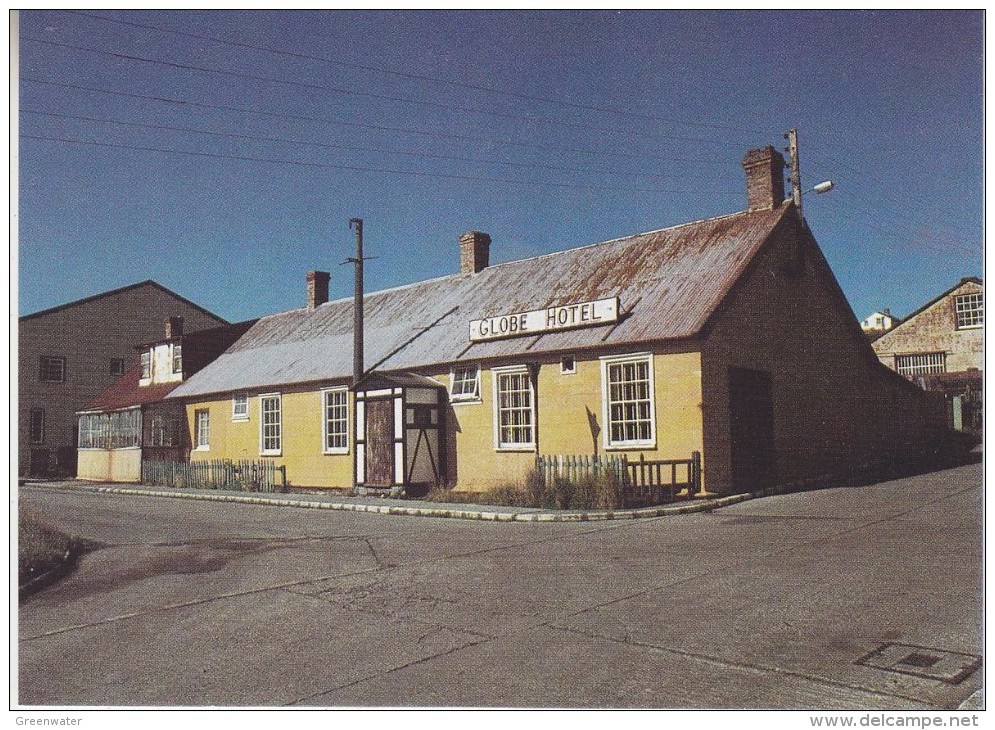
column 380, row 442
column 751, row 412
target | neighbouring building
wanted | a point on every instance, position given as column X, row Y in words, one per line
column 657, row 345
column 129, row 423
column 877, row 323
column 70, row 353
column 940, row 346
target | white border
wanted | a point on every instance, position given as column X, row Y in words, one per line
column 271, row 452
column 458, row 399
column 235, row 418
column 196, row 431
column 606, row 424
column 324, row 421
column 496, row 419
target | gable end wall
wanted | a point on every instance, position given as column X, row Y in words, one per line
column 834, row 406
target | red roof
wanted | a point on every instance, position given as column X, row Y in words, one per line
column 127, row 393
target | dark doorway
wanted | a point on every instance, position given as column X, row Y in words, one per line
column 39, row 464
column 751, row 413
column 380, row 442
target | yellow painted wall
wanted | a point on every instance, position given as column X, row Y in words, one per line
column 564, row 427
column 301, row 419
column 473, row 462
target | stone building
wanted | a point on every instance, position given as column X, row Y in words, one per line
column 70, row 353
column 940, row 346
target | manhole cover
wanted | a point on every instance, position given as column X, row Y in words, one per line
column 920, row 661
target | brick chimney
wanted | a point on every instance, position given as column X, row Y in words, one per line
column 764, row 178
column 474, row 252
column 172, row 327
column 317, row 288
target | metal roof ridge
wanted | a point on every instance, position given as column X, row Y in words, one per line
column 620, row 238
column 459, row 276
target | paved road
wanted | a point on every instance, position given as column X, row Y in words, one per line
column 769, row 603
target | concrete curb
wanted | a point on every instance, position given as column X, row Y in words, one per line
column 456, row 514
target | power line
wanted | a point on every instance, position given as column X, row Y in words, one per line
column 858, row 175
column 356, row 168
column 417, row 77
column 528, row 118
column 329, row 145
column 899, row 240
column 901, row 229
column 378, row 127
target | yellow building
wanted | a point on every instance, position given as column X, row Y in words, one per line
column 655, row 346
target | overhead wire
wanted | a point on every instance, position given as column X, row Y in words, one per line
column 907, row 214
column 358, row 168
column 359, row 148
column 416, row 77
column 504, row 142
column 529, row 119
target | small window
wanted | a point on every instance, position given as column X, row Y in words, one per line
column 202, row 429
column 270, row 425
column 514, row 409
column 568, row 366
column 464, row 383
column 37, row 425
column 240, row 407
column 163, row 431
column 52, row 369
column 336, row 418
column 146, row 365
column 177, row 358
column 970, row 310
column 117, row 366
column 922, row 363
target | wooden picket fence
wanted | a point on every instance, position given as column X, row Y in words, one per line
column 644, row 482
column 241, row 475
column 575, row 468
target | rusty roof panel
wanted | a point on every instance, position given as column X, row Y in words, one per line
column 668, row 281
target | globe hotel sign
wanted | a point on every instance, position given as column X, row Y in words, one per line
column 550, row 319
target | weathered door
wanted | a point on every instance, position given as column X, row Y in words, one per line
column 380, row 442
column 752, row 425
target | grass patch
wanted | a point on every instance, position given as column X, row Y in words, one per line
column 40, row 548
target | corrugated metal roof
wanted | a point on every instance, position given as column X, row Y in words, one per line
column 125, row 392
column 668, row 281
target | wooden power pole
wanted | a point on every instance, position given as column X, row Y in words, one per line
column 357, row 306
column 796, row 177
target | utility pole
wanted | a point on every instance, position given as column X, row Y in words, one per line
column 357, row 306
column 796, row 177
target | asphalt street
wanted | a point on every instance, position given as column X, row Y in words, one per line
column 859, row 598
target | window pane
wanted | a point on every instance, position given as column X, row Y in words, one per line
column 921, row 363
column 336, row 419
column 52, row 369
column 270, row 406
column 515, row 414
column 630, row 412
column 970, row 310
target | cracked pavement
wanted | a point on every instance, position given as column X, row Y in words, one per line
column 769, row 603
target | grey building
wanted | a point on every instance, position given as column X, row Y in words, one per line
column 70, row 353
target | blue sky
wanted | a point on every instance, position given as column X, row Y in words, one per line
column 224, row 170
